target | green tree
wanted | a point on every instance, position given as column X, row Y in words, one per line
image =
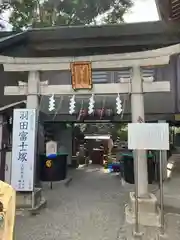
column 46, row 13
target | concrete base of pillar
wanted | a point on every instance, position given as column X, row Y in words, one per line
column 162, row 237
column 149, row 213
column 138, row 236
column 30, row 201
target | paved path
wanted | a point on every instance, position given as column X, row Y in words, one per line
column 91, row 207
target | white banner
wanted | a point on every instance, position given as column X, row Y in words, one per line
column 144, row 136
column 23, row 149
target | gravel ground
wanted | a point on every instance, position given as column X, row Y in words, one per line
column 91, row 207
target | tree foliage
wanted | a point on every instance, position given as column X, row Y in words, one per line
column 46, row 13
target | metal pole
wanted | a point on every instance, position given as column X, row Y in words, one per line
column 137, row 233
column 161, row 191
column 136, row 193
column 33, row 200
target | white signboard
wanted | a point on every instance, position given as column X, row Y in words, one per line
column 51, row 148
column 23, row 149
column 154, row 136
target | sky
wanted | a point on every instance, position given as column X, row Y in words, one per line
column 143, row 11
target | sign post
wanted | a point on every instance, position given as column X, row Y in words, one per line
column 148, row 136
column 137, row 234
column 23, row 150
column 161, row 192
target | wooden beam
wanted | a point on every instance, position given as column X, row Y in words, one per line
column 101, row 64
column 100, row 89
column 15, row 90
column 112, row 88
column 67, row 89
column 163, row 86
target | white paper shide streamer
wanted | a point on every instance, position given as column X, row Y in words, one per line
column 72, row 105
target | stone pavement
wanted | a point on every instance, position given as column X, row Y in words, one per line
column 91, row 207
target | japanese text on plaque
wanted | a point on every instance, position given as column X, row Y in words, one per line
column 23, row 144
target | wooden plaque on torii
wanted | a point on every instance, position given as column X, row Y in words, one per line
column 81, row 75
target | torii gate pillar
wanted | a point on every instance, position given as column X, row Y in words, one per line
column 137, row 111
column 33, row 90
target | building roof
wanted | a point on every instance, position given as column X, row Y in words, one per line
column 169, row 9
column 89, row 40
column 11, row 38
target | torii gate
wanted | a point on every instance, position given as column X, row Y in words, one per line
column 137, row 87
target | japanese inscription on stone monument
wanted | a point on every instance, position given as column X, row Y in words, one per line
column 23, row 157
